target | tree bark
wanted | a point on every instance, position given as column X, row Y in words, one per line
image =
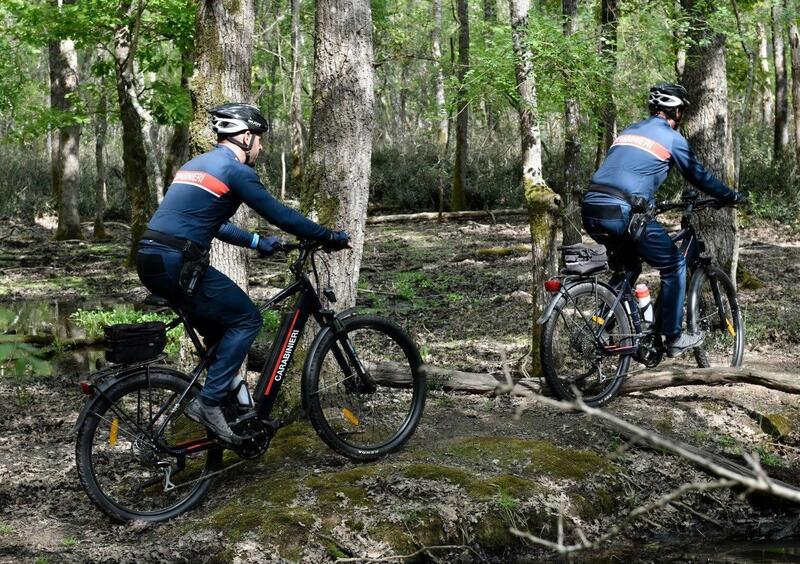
column 781, row 138
column 794, row 43
column 336, row 185
column 223, row 61
column 100, row 186
column 707, row 127
column 540, row 200
column 490, row 17
column 442, row 123
column 298, row 142
column 134, row 157
column 458, row 194
column 571, row 228
column 767, row 95
column 65, row 163
column 609, row 20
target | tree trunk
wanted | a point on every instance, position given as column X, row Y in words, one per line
column 539, row 198
column 458, row 194
column 178, row 151
column 298, row 144
column 223, row 61
column 781, row 139
column 767, row 95
column 609, row 20
column 100, row 190
column 65, row 164
column 490, row 17
column 134, row 158
column 707, row 128
column 442, row 124
column 338, row 162
column 794, row 42
column 571, row 228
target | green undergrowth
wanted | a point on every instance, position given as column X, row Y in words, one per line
column 300, row 492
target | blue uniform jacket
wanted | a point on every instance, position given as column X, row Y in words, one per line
column 641, row 157
column 209, row 189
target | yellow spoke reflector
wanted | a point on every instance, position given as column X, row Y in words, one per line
column 598, row 320
column 731, row 330
column 112, row 434
column 350, row 416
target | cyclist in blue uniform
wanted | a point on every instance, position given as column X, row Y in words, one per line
column 172, row 259
column 637, row 164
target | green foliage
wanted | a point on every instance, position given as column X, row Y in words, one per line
column 93, row 321
column 19, row 361
column 6, row 529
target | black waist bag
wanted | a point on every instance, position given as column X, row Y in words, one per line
column 134, row 342
column 583, row 259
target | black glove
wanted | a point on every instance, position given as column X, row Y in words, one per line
column 740, row 199
column 338, row 240
column 267, row 245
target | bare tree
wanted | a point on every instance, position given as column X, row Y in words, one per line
column 458, row 194
column 336, row 179
column 540, row 199
column 781, row 139
column 707, row 127
column 65, row 164
column 571, row 228
column 767, row 95
column 794, row 44
column 223, row 62
column 608, row 48
column 298, row 141
column 442, row 122
column 100, row 192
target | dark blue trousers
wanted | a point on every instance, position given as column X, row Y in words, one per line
column 220, row 311
column 654, row 247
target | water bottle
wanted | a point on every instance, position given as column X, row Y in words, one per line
column 242, row 394
column 642, row 293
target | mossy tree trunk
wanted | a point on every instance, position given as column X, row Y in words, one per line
column 134, row 158
column 794, row 44
column 541, row 201
column 458, row 193
column 608, row 49
column 571, row 228
column 707, row 127
column 65, row 164
column 336, row 179
column 100, row 186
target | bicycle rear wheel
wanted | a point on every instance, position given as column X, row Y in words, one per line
column 364, row 389
column 573, row 361
column 120, row 465
column 714, row 309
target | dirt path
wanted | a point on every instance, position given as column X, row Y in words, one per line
column 477, row 464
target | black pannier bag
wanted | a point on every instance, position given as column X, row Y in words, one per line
column 582, row 259
column 134, row 342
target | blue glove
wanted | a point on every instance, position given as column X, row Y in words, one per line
column 338, row 240
column 267, row 245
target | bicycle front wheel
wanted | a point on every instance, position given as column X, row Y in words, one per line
column 578, row 344
column 121, row 461
column 364, row 389
column 714, row 310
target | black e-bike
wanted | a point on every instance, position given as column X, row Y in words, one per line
column 140, row 458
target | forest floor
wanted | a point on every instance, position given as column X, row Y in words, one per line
column 477, row 465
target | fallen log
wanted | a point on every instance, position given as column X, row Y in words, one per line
column 432, row 216
column 67, row 343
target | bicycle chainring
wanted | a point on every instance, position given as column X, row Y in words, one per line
column 258, row 436
column 651, row 350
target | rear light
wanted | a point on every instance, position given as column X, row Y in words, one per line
column 87, row 388
column 552, row 286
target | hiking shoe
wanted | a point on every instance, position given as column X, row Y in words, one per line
column 678, row 345
column 212, row 418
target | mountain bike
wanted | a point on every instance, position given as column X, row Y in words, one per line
column 592, row 331
column 140, row 458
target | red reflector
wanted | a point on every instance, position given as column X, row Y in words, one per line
column 87, row 388
column 552, row 286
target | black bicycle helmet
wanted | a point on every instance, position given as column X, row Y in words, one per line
column 232, row 118
column 667, row 97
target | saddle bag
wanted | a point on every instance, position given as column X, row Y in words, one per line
column 580, row 259
column 134, row 342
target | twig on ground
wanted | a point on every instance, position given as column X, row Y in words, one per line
column 424, row 549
